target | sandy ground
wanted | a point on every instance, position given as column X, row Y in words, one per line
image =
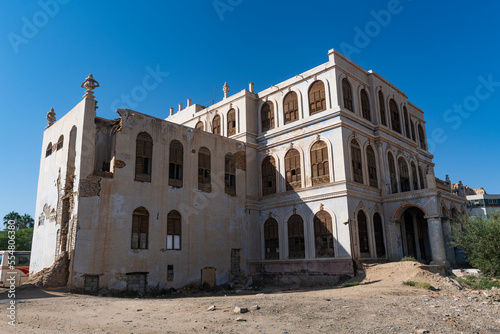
column 380, row 304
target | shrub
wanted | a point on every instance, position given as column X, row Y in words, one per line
column 478, row 282
column 421, row 285
column 479, row 237
column 409, row 258
column 346, row 285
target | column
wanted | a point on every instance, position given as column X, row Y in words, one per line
column 448, row 238
column 436, row 240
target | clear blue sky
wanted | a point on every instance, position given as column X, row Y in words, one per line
column 436, row 52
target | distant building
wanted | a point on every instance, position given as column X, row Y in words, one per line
column 293, row 183
column 483, row 205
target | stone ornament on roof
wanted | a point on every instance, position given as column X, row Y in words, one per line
column 51, row 117
column 225, row 89
column 89, row 84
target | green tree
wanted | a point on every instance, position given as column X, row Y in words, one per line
column 11, row 216
column 479, row 236
column 21, row 222
column 23, row 239
column 26, row 221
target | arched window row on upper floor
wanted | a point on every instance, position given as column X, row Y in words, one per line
column 200, row 126
column 421, row 137
column 51, row 148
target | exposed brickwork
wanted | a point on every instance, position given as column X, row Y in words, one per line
column 91, row 186
column 120, row 164
column 241, row 160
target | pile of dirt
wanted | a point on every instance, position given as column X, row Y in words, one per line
column 54, row 276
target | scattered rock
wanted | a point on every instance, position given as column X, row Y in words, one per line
column 255, row 307
column 238, row 309
column 486, row 294
column 139, row 310
column 422, row 331
column 240, row 319
column 211, row 308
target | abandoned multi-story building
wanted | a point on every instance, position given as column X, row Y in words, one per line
column 300, row 181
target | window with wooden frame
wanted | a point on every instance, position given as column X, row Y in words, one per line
column 372, row 166
column 174, row 226
column 364, row 244
column 175, row 164
column 347, row 95
column 230, row 174
column 292, row 170
column 144, row 157
column 414, row 176
column 291, row 107
column 267, row 116
column 204, row 178
column 365, row 105
column 395, row 118
column 378, row 230
column 296, row 244
column 413, row 137
column 268, row 176
column 357, row 167
column 317, row 100
column 271, row 239
column 392, row 173
column 60, row 142
column 404, row 177
column 320, row 170
column 48, row 151
column 216, row 125
column 421, row 137
column 407, row 122
column 231, row 122
column 140, row 228
column 381, row 103
column 421, row 176
column 323, row 234
column 200, row 126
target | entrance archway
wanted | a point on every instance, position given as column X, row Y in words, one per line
column 415, row 234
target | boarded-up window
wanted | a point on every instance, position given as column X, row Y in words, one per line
column 413, row 137
column 323, row 234
column 372, row 166
column 231, row 122
column 267, row 116
column 60, row 142
column 48, row 151
column 91, row 284
column 204, row 178
column 357, row 169
column 271, row 239
column 347, row 95
column 292, row 170
column 381, row 104
column 421, row 137
column 414, row 178
column 320, row 169
column 268, row 176
column 174, row 230
column 170, row 272
column 365, row 105
column 395, row 119
column 379, row 235
column 407, row 122
column 200, row 126
column 317, row 101
column 296, row 245
column 137, row 282
column 404, row 177
column 421, row 176
column 175, row 164
column 144, row 157
column 364, row 245
column 140, row 227
column 230, row 174
column 216, row 125
column 291, row 107
column 392, row 172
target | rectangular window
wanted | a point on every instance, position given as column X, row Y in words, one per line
column 170, row 272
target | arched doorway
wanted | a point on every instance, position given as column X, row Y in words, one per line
column 415, row 235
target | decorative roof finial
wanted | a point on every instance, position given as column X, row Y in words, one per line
column 51, row 117
column 89, row 84
column 226, row 90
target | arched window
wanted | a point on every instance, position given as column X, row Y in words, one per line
column 347, row 95
column 292, row 170
column 421, row 176
column 143, row 157
column 204, row 179
column 357, row 169
column 421, row 137
column 395, row 119
column 392, row 173
column 364, row 244
column 323, row 234
column 291, row 107
column 365, row 105
column 140, row 227
column 268, row 176
column 174, row 230
column 378, row 230
column 231, row 122
column 407, row 122
column 175, row 164
column 60, row 142
column 413, row 137
column 216, row 125
column 404, row 177
column 296, row 245
column 372, row 166
column 200, row 126
column 317, row 101
column 271, row 239
column 381, row 103
column 230, row 174
column 48, row 151
column 320, row 170
column 414, row 178
column 267, row 116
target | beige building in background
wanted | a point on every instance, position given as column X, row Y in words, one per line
column 294, row 184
